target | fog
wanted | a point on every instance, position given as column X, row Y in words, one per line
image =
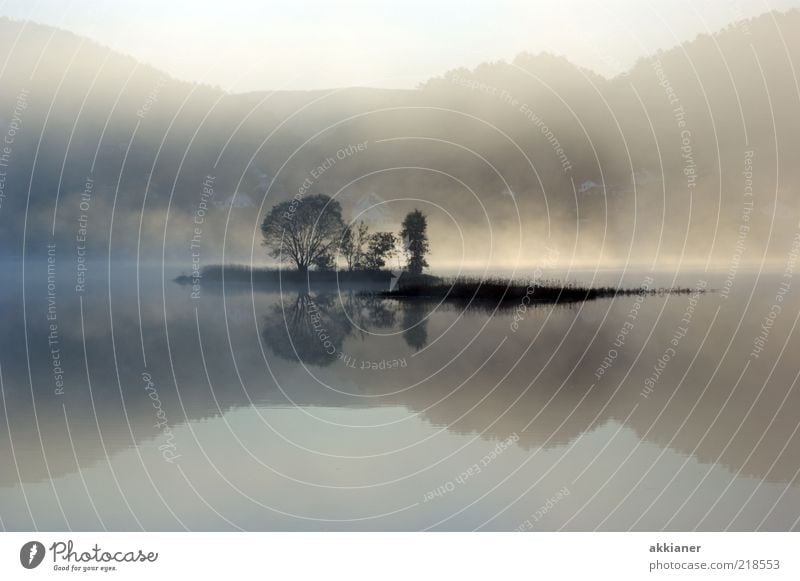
column 684, row 159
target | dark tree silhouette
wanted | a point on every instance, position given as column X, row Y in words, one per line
column 380, row 248
column 353, row 245
column 304, row 231
column 415, row 240
column 325, row 261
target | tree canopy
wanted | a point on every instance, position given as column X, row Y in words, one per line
column 304, row 231
column 309, row 232
column 415, row 240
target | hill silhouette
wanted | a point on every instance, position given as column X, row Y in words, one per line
column 645, row 166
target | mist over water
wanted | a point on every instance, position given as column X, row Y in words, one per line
column 139, row 392
column 643, row 412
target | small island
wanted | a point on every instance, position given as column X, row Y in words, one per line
column 316, row 248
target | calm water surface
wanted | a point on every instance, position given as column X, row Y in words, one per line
column 286, row 410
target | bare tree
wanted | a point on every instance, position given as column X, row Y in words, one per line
column 353, row 245
column 303, row 231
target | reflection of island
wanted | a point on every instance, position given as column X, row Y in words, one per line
column 565, row 400
column 415, row 325
column 306, row 329
column 476, row 292
column 312, row 330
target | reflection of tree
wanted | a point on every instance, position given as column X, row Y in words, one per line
column 415, row 325
column 312, row 330
column 571, row 411
column 370, row 311
column 307, row 329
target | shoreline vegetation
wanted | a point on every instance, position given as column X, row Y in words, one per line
column 503, row 290
column 237, row 274
column 403, row 286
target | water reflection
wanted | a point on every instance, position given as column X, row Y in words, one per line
column 415, row 326
column 312, row 329
column 337, row 411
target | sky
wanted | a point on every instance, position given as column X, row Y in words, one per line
column 242, row 46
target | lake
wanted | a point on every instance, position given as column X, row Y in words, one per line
column 131, row 405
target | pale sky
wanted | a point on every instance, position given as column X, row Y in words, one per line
column 244, row 45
